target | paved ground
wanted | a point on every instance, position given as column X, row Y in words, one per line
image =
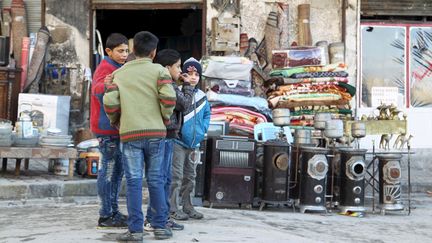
column 46, row 220
column 41, row 207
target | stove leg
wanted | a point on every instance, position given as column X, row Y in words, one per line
column 262, row 205
column 4, row 165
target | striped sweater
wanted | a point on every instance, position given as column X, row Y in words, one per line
column 147, row 100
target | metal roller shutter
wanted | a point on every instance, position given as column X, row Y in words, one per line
column 396, row 8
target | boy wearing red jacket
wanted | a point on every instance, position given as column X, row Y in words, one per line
column 111, row 172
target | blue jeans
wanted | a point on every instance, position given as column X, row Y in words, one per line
column 110, row 174
column 167, row 162
column 136, row 154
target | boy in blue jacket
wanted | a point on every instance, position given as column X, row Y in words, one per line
column 196, row 119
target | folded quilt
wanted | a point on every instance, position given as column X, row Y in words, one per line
column 258, row 103
column 319, row 74
column 287, row 72
column 225, row 86
column 277, row 81
column 238, row 118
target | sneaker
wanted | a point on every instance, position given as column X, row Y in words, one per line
column 179, row 215
column 173, row 225
column 119, row 216
column 111, row 222
column 162, row 234
column 129, row 236
column 192, row 213
column 147, row 226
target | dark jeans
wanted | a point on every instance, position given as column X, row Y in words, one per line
column 136, row 154
column 110, row 174
column 167, row 162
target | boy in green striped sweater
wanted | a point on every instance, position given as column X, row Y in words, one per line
column 140, row 102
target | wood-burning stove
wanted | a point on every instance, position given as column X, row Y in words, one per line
column 231, row 174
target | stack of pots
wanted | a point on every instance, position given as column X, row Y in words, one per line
column 281, row 117
column 358, row 129
column 333, row 129
column 320, row 120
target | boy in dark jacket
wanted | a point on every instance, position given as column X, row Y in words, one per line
column 196, row 121
column 171, row 59
column 110, row 172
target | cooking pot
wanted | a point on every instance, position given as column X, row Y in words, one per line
column 320, row 119
column 333, row 129
column 358, row 129
column 302, row 136
column 281, row 117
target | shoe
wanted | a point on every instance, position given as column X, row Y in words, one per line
column 162, row 234
column 192, row 213
column 179, row 215
column 129, row 236
column 111, row 222
column 119, row 216
column 147, row 226
column 174, row 226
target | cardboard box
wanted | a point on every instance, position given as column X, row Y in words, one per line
column 53, row 110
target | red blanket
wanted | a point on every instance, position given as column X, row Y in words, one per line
column 239, row 118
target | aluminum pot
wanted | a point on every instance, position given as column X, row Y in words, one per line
column 334, row 129
column 358, row 129
column 302, row 136
column 281, row 117
column 320, row 119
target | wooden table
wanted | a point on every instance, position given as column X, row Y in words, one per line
column 28, row 153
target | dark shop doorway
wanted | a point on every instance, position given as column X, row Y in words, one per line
column 179, row 29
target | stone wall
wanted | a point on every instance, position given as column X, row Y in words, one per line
column 325, row 22
column 69, row 54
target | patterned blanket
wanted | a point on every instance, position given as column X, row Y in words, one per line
column 287, row 72
column 238, row 118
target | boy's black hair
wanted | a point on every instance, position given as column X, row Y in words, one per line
column 167, row 57
column 144, row 43
column 116, row 39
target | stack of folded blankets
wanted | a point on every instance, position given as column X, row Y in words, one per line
column 306, row 90
column 230, row 92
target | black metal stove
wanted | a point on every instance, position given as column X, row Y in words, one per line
column 276, row 172
column 352, row 184
column 231, row 172
column 313, row 177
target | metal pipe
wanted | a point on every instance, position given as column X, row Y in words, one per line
column 373, row 176
column 409, row 180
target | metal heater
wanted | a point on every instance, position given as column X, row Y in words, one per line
column 390, row 182
column 313, row 175
column 334, row 177
column 295, row 170
column 232, row 170
column 352, row 181
column 276, row 172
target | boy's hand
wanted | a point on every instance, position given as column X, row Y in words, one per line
column 185, row 77
column 108, row 79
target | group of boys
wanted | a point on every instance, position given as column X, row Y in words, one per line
column 155, row 129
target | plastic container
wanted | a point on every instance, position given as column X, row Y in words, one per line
column 61, row 167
